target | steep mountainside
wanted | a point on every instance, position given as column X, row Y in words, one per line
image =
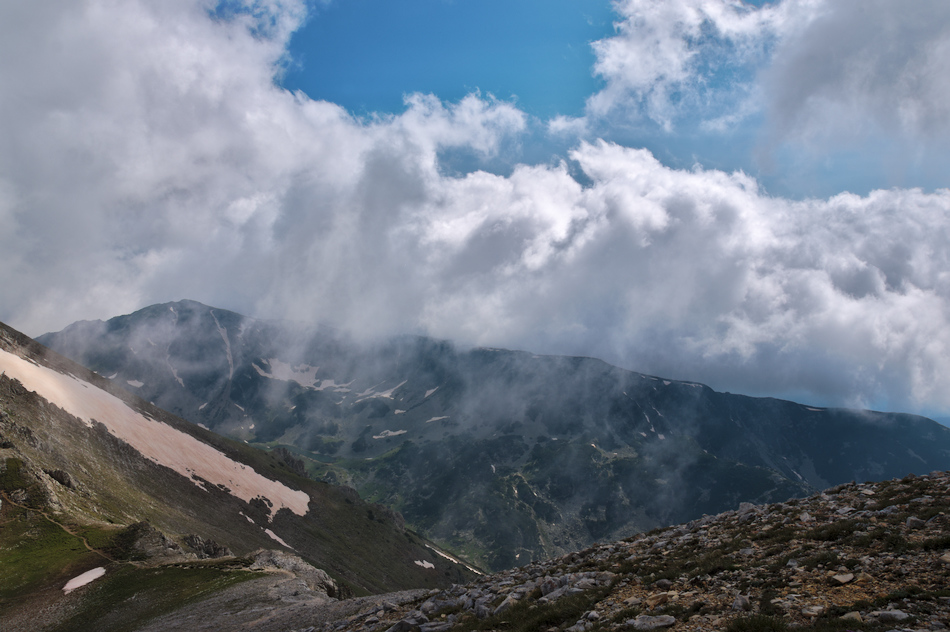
column 92, row 476
column 503, row 455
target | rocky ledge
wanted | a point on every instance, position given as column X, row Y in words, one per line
column 871, row 556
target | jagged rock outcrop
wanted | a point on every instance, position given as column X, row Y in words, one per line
column 314, row 578
column 205, row 549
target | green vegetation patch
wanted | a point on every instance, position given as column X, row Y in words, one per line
column 34, row 552
column 128, row 597
column 11, row 476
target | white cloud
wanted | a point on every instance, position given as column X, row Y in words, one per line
column 147, row 155
column 671, row 58
column 851, row 85
column 862, row 68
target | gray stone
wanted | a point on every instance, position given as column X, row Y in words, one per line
column 742, row 603
column 504, row 605
column 891, row 615
column 915, row 523
column 646, row 622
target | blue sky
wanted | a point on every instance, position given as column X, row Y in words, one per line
column 366, row 54
column 750, row 196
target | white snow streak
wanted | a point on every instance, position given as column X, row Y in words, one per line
column 302, row 374
column 154, row 440
column 227, row 344
column 277, row 538
column 385, row 434
column 82, row 580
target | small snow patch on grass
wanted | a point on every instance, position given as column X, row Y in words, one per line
column 425, row 564
column 82, row 580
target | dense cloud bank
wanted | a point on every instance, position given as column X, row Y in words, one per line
column 147, row 155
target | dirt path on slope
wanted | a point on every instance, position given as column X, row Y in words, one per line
column 65, row 528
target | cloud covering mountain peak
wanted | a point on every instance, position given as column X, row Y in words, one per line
column 149, row 154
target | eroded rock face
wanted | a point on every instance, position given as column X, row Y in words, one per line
column 148, row 543
column 206, row 548
column 314, row 578
column 61, row 477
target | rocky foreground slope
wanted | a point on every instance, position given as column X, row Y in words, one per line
column 870, row 556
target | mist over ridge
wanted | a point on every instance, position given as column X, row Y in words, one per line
column 500, row 455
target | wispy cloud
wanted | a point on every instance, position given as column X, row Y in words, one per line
column 146, row 154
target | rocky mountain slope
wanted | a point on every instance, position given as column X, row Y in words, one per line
column 160, row 512
column 870, row 556
column 501, row 455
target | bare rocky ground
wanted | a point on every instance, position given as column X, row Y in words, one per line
column 870, row 556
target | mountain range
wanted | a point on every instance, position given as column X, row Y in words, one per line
column 502, row 456
column 98, row 485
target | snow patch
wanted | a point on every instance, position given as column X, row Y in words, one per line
column 302, row 374
column 666, row 382
column 227, row 345
column 425, row 564
column 113, row 376
column 389, row 433
column 135, row 383
column 174, row 372
column 156, row 441
column 431, row 390
column 452, row 559
column 371, row 393
column 332, row 385
column 817, row 410
column 82, row 580
column 399, row 412
column 202, row 407
column 276, row 538
column 437, row 419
